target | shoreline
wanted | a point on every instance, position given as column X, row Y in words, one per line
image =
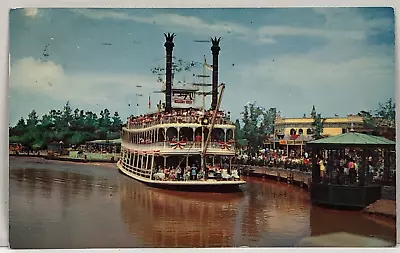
column 97, row 162
column 67, row 159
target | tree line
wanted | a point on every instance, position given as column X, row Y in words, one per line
column 72, row 127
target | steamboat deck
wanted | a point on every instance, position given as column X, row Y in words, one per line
column 209, row 185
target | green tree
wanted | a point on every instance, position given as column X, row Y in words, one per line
column 317, row 127
column 313, row 112
column 106, row 120
column 368, row 119
column 257, row 123
column 32, row 119
column 67, row 125
column 19, row 128
column 90, row 122
column 269, row 117
column 387, row 113
column 116, row 124
column 76, row 114
column 67, row 115
column 238, row 130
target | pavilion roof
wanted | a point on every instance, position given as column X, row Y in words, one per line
column 115, row 141
column 352, row 139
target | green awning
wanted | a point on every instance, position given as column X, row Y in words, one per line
column 352, row 139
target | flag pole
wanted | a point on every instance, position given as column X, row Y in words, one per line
column 149, row 102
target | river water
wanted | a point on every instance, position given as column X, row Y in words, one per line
column 68, row 205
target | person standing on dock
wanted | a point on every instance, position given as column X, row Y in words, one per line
column 352, row 171
column 322, row 168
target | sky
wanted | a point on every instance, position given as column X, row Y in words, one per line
column 339, row 59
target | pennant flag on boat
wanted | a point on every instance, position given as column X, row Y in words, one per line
column 225, row 145
column 177, row 144
column 209, row 67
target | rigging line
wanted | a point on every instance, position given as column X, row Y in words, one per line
column 186, row 154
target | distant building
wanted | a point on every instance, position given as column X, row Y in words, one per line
column 291, row 134
column 331, row 126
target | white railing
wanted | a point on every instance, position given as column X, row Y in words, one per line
column 190, row 145
column 175, row 120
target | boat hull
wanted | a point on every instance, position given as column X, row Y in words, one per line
column 188, row 186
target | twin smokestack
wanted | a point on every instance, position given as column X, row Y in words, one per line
column 169, row 45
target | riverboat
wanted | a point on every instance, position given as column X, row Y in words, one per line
column 183, row 146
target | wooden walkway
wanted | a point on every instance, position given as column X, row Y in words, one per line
column 300, row 178
column 382, row 207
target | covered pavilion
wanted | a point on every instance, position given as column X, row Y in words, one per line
column 328, row 188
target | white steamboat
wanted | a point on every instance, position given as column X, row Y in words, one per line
column 181, row 146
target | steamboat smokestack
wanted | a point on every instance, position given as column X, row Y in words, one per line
column 215, row 52
column 169, row 45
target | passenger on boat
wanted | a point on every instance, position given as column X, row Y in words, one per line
column 218, row 173
column 187, row 175
column 172, row 175
column 193, row 172
column 178, row 173
column 198, row 138
column 200, row 176
column 225, row 175
column 235, row 174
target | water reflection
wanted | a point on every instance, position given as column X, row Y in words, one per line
column 170, row 219
column 325, row 221
column 72, row 184
column 52, row 208
column 58, row 205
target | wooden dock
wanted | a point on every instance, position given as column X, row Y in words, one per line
column 295, row 177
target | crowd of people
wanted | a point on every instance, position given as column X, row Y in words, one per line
column 334, row 169
column 176, row 116
column 277, row 158
column 194, row 173
column 347, row 170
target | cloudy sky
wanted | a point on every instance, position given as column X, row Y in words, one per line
column 339, row 59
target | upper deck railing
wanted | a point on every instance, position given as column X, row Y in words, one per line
column 185, row 145
column 174, row 120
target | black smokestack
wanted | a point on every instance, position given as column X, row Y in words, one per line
column 169, row 45
column 215, row 51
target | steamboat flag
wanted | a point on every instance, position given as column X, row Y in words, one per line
column 209, row 67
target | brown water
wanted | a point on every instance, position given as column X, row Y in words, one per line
column 66, row 205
